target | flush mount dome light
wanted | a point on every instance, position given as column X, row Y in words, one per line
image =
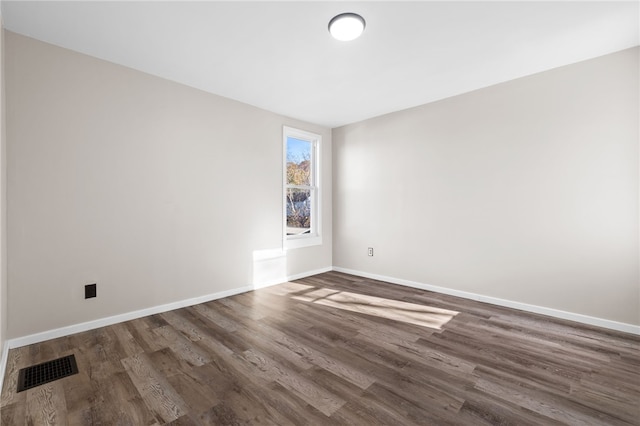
column 346, row 26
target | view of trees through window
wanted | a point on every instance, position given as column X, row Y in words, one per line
column 299, row 186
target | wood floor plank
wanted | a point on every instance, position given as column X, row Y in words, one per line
column 46, row 405
column 182, row 346
column 197, row 395
column 483, row 409
column 335, row 349
column 545, row 403
column 183, row 325
column 209, row 312
column 128, row 343
column 154, row 388
column 314, row 395
column 17, row 359
column 13, row 414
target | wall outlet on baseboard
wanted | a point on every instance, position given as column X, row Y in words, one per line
column 370, row 251
column 90, row 291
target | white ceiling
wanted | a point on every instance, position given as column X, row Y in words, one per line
column 279, row 55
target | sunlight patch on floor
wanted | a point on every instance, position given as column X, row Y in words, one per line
column 425, row 316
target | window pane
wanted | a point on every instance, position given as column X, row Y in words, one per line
column 298, row 211
column 298, row 162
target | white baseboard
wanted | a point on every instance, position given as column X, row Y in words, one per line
column 3, row 362
column 585, row 319
column 276, row 281
column 103, row 322
column 308, row 274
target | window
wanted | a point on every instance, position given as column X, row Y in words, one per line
column 302, row 223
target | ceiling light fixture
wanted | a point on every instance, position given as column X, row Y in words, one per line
column 346, row 26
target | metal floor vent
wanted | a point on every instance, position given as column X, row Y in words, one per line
column 46, row 372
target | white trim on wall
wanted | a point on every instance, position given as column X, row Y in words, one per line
column 269, row 283
column 315, row 186
column 4, row 356
column 103, row 322
column 308, row 274
column 585, row 319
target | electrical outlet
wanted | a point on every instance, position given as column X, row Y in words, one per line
column 90, row 291
column 370, row 251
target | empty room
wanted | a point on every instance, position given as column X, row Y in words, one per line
column 320, row 213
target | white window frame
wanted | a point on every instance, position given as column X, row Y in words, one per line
column 314, row 237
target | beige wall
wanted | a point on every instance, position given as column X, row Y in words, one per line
column 156, row 191
column 525, row 191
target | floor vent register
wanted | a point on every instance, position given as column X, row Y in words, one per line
column 37, row 375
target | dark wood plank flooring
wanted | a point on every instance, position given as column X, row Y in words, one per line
column 335, row 349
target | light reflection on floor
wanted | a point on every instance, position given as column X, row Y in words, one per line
column 412, row 313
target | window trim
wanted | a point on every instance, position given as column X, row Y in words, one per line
column 315, row 236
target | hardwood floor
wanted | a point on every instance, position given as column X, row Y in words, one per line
column 335, row 349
